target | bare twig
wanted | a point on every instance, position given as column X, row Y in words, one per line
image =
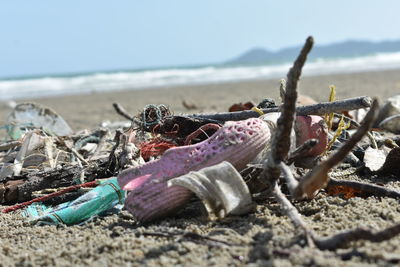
column 291, row 182
column 187, row 235
column 376, row 190
column 342, row 239
column 102, row 141
column 8, row 145
column 121, row 111
column 280, row 143
column 112, row 157
column 318, row 177
column 316, row 109
column 293, row 214
column 338, row 240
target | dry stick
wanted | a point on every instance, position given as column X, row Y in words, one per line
column 186, row 234
column 291, row 182
column 293, row 214
column 318, row 176
column 339, row 240
column 121, row 111
column 280, row 143
column 375, row 190
column 8, row 145
column 117, row 139
column 316, row 109
column 103, row 136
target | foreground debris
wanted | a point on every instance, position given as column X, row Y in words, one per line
column 227, row 160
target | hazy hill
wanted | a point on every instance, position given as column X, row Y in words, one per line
column 343, row 49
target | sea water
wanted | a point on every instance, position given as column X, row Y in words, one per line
column 209, row 74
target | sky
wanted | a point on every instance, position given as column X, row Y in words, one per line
column 39, row 37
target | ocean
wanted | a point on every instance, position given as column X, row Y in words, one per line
column 35, row 87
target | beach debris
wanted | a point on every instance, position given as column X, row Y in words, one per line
column 121, row 111
column 221, row 189
column 390, row 107
column 202, row 154
column 311, row 127
column 50, row 196
column 318, row 177
column 105, row 196
column 267, row 103
column 154, row 148
column 31, row 115
column 32, row 141
column 241, row 106
column 374, row 158
column 189, row 105
column 391, row 124
column 151, row 198
column 315, row 109
column 349, row 188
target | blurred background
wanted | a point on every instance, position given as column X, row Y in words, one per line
column 53, row 48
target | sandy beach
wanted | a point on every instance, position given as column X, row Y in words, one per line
column 265, row 237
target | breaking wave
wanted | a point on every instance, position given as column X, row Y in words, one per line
column 100, row 82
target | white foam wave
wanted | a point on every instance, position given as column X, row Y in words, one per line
column 50, row 86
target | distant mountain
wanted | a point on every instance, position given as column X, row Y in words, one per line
column 342, row 49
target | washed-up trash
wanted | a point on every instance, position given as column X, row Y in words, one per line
column 390, row 107
column 151, row 198
column 31, row 142
column 374, row 158
column 97, row 201
column 306, row 128
column 241, row 106
column 221, row 189
column 31, row 115
column 391, row 124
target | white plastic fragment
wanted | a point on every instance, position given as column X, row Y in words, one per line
column 221, row 189
column 374, row 158
column 37, row 116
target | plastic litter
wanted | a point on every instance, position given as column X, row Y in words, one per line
column 31, row 115
column 221, row 189
column 97, row 201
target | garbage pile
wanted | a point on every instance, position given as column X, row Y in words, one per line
column 154, row 163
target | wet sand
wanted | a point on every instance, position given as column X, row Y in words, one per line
column 264, row 237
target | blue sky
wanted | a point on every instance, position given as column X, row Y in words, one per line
column 48, row 37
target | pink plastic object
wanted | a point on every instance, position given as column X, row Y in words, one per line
column 150, row 197
column 309, row 127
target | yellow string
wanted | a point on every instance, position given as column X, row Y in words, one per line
column 259, row 111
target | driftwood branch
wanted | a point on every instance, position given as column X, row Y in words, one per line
column 293, row 214
column 121, row 111
column 317, row 178
column 9, row 145
column 280, row 143
column 316, row 109
column 58, row 178
column 339, row 240
column 375, row 190
column 342, row 239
